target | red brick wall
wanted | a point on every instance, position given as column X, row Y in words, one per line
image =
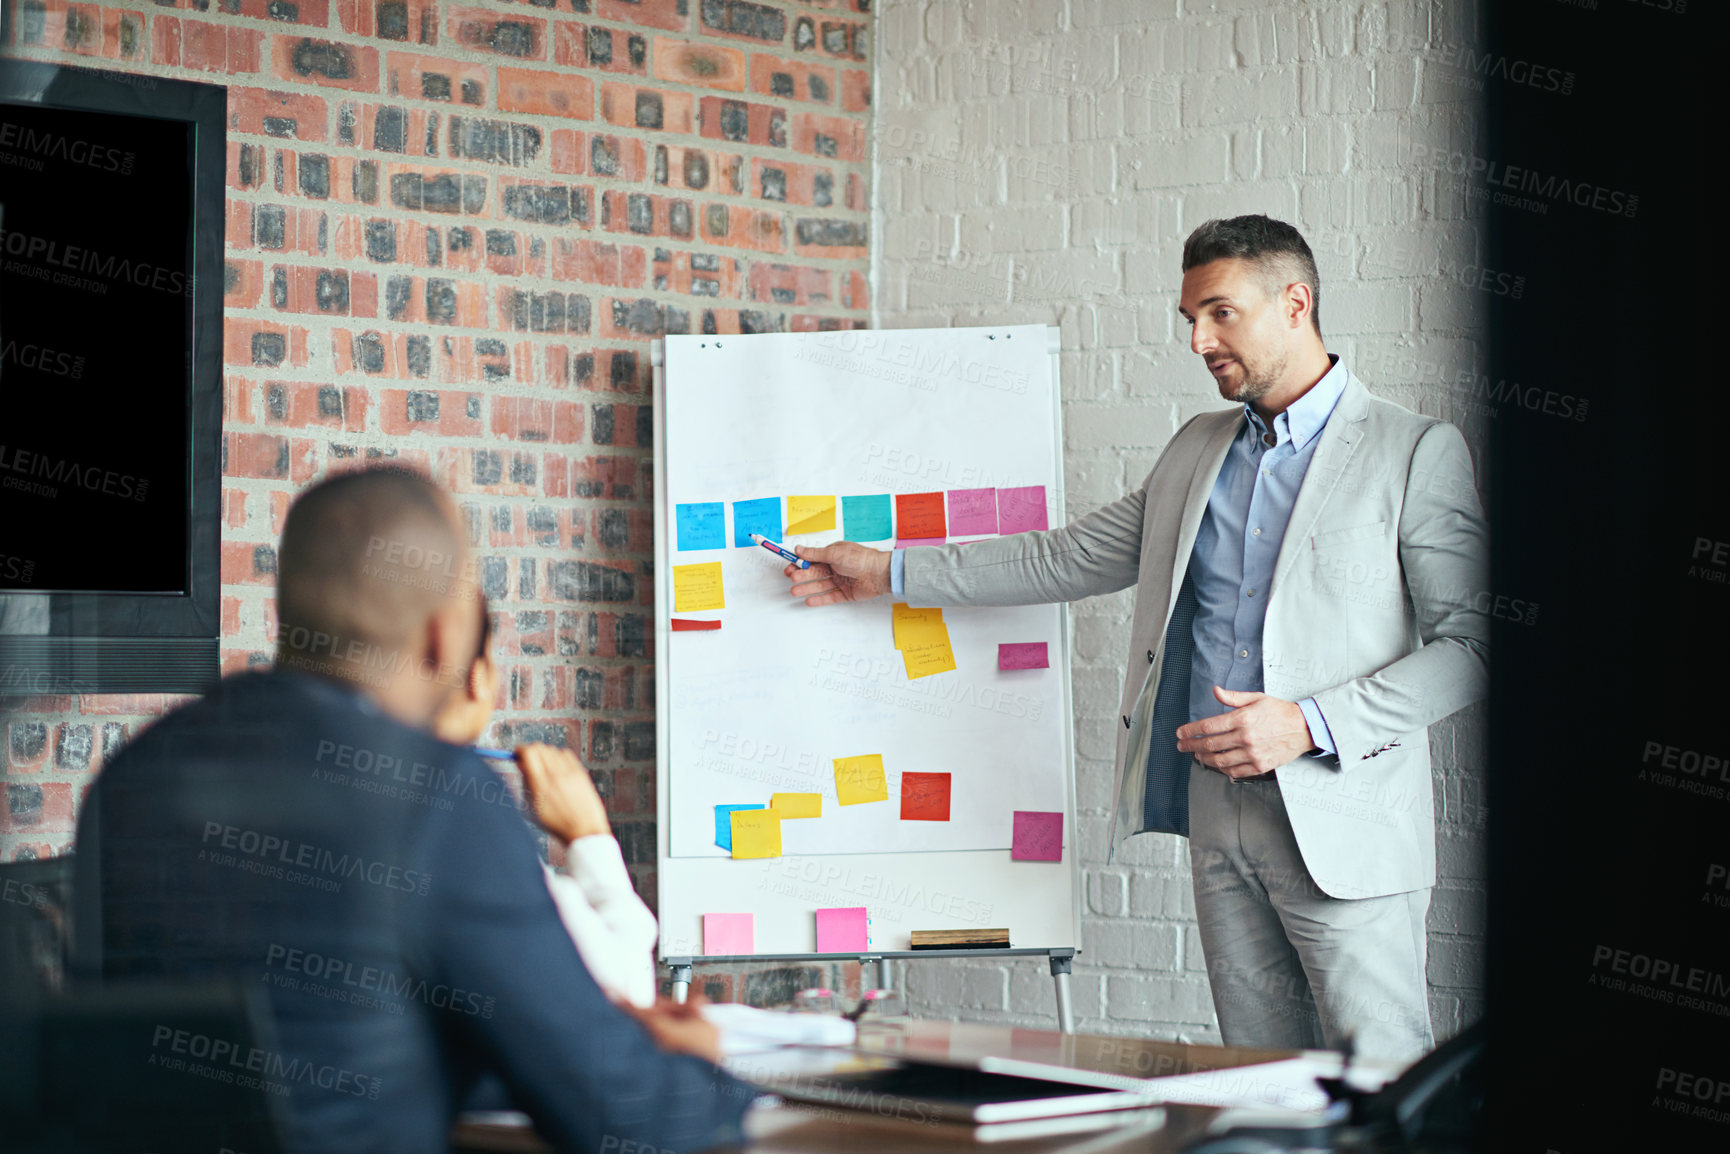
column 452, row 231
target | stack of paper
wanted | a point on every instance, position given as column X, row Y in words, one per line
column 746, row 1030
column 923, row 640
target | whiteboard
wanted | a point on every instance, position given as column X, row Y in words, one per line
column 766, row 702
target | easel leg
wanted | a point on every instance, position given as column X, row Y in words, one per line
column 1060, row 968
column 885, row 974
column 681, row 983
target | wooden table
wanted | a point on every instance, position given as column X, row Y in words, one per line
column 800, row 1129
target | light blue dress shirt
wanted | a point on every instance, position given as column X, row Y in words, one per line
column 1239, row 539
column 1235, row 549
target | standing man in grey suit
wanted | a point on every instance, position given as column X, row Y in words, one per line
column 1310, row 573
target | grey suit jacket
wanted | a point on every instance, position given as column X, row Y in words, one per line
column 1379, row 610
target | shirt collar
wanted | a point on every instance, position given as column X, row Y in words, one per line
column 1306, row 416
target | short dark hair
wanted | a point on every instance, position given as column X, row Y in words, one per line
column 1277, row 249
column 340, row 570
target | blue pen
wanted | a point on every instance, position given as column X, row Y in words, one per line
column 780, row 552
column 495, row 754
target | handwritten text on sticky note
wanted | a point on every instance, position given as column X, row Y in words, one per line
column 810, row 514
column 697, row 587
column 860, row 779
column 756, row 833
column 1037, row 836
column 1019, row 510
column 1023, row 655
column 925, row 797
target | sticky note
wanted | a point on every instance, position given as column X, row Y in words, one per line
column 915, row 542
column 697, row 587
column 867, row 518
column 925, row 797
column 924, row 660
column 724, row 823
column 860, row 779
column 702, row 526
column 810, row 514
column 972, row 512
column 1023, row 655
column 1037, row 836
column 756, row 833
column 760, row 516
column 728, row 934
column 909, row 622
column 797, row 804
column 842, row 931
column 1019, row 510
column 919, row 515
column 690, row 625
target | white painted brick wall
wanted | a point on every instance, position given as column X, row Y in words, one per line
column 1042, row 162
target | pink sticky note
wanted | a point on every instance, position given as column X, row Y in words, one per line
column 1038, row 836
column 1019, row 510
column 728, row 934
column 1023, row 655
column 909, row 542
column 972, row 512
column 842, row 931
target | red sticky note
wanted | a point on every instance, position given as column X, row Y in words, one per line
column 919, row 515
column 842, row 931
column 925, row 797
column 1023, row 655
column 1019, row 510
column 727, row 934
column 972, row 512
column 682, row 624
column 1037, row 836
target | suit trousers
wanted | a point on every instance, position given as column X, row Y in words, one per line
column 1291, row 967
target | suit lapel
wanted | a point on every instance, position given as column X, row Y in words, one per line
column 1340, row 438
column 1208, row 465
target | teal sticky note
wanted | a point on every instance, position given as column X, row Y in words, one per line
column 760, row 516
column 724, row 823
column 702, row 526
column 867, row 518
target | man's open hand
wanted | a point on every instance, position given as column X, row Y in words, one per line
column 1259, row 733
column 839, row 572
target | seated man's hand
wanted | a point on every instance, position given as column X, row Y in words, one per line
column 839, row 572
column 679, row 1027
column 564, row 797
column 1259, row 733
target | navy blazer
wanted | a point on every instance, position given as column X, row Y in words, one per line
column 384, row 888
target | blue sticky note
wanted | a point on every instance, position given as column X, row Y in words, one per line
column 703, row 526
column 724, row 824
column 866, row 518
column 760, row 516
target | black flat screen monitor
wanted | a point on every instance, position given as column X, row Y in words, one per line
column 111, row 229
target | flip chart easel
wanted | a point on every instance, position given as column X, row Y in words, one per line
column 741, row 419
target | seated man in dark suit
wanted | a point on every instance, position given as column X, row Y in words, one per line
column 302, row 829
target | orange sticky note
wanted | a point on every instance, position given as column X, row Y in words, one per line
column 919, row 515
column 924, row 797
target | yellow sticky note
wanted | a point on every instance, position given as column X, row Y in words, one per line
column 797, row 804
column 697, row 587
column 756, row 833
column 810, row 514
column 927, row 650
column 860, row 779
column 908, row 622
